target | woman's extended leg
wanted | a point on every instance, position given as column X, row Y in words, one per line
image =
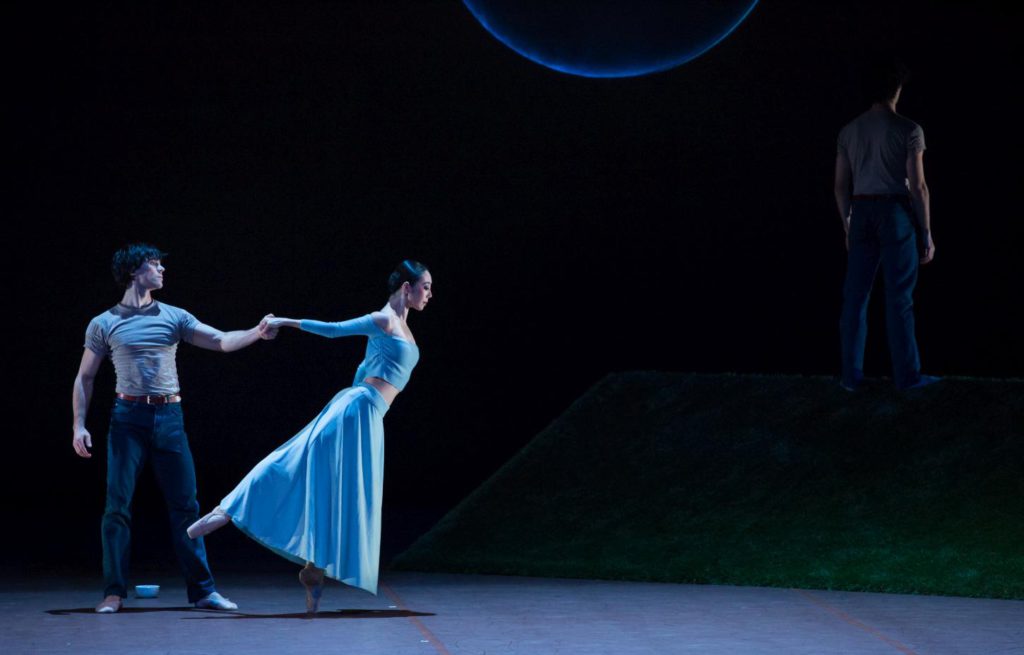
column 215, row 519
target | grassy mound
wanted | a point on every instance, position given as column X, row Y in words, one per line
column 758, row 480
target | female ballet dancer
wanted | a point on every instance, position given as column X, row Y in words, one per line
column 316, row 500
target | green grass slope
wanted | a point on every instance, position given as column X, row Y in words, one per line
column 758, row 480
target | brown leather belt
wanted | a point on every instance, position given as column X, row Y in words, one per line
column 151, row 400
column 881, row 196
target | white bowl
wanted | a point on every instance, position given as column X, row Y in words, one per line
column 147, row 590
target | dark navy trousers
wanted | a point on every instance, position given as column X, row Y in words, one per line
column 882, row 234
column 141, row 433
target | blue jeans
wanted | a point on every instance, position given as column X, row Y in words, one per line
column 141, row 433
column 882, row 233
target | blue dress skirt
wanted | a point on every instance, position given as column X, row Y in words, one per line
column 317, row 498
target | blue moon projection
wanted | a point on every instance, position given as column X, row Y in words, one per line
column 610, row 38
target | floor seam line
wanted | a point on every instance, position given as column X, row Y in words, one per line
column 906, row 650
column 424, row 630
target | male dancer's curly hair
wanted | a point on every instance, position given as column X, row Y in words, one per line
column 128, row 259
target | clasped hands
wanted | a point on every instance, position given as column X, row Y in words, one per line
column 268, row 327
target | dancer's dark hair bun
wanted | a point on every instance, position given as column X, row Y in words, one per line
column 409, row 271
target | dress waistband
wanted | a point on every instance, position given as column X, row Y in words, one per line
column 151, row 400
column 375, row 397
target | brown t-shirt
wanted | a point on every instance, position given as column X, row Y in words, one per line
column 876, row 145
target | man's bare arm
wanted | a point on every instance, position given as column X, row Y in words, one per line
column 81, row 395
column 211, row 338
column 922, row 205
column 842, row 188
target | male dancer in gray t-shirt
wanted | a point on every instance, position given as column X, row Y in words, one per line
column 883, row 202
column 141, row 335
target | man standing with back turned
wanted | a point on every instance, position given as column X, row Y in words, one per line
column 883, row 202
column 141, row 337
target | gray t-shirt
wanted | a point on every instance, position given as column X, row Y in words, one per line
column 142, row 343
column 876, row 144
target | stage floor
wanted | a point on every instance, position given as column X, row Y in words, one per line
column 426, row 614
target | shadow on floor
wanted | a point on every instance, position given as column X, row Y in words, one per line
column 322, row 614
column 124, row 610
column 215, row 614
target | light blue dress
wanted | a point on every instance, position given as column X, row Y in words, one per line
column 317, row 498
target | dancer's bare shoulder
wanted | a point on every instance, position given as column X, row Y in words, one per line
column 384, row 320
column 393, row 325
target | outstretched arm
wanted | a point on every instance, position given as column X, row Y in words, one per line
column 81, row 395
column 922, row 205
column 211, row 338
column 364, row 325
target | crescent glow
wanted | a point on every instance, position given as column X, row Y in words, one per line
column 653, row 65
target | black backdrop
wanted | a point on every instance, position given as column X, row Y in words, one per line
column 288, row 156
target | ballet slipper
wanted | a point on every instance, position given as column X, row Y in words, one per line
column 215, row 519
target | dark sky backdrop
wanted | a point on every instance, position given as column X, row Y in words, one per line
column 288, row 156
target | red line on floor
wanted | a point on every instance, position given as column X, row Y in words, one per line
column 424, row 630
column 854, row 622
